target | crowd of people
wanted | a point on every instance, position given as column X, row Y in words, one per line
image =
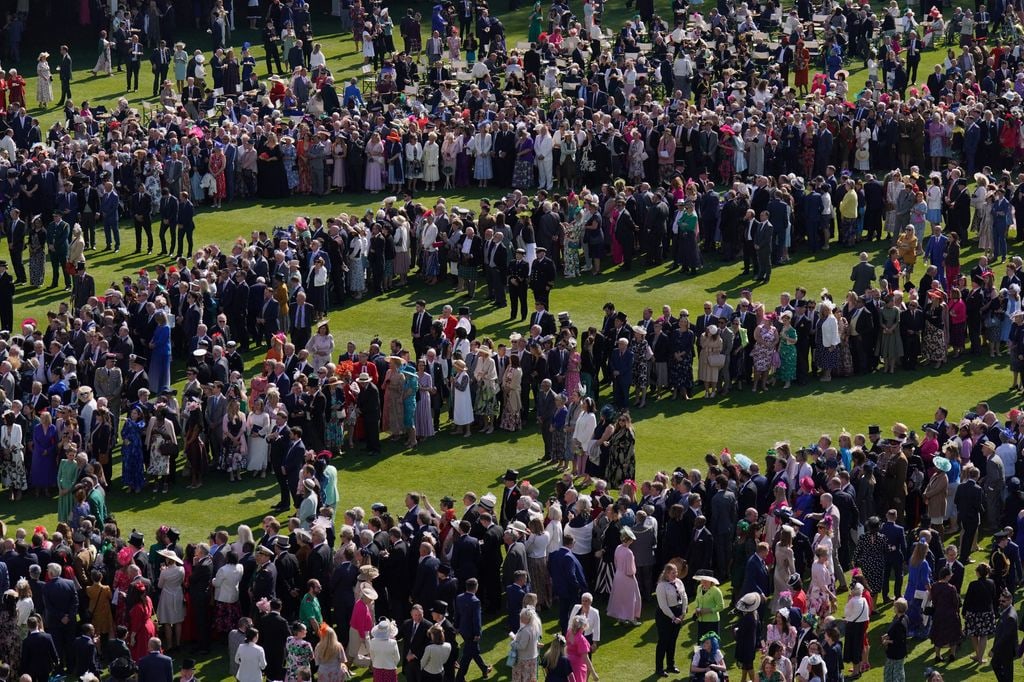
column 600, row 146
column 338, row 589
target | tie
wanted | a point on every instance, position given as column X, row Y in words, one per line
column 301, row 316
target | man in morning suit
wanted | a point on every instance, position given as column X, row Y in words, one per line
column 16, row 233
column 469, row 623
column 413, row 634
column 421, row 321
column 39, row 657
column 60, row 598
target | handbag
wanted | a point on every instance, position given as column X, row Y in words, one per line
column 716, row 360
column 513, row 656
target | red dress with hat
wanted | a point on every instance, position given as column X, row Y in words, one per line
column 141, row 626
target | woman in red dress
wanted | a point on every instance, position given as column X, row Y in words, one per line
column 140, row 624
column 16, row 85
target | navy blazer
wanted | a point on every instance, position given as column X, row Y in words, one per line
column 156, row 667
column 465, row 558
column 468, row 618
column 895, row 540
column 424, row 589
column 38, row 655
column 755, row 577
column 61, row 599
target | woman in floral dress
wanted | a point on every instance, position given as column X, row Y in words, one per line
column 572, row 373
column 766, row 341
column 288, row 156
column 133, row 474
column 159, row 431
column 680, row 366
column 641, row 364
column 573, row 242
column 302, row 159
column 298, row 653
column 511, row 388
column 933, row 340
column 37, row 253
column 334, row 435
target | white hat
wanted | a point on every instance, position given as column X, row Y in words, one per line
column 488, row 501
column 363, row 378
column 748, row 602
column 518, row 527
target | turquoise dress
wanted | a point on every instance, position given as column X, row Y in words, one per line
column 411, row 389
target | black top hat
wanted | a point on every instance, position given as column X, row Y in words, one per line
column 136, row 539
column 439, row 607
column 874, row 430
column 464, row 310
column 511, row 475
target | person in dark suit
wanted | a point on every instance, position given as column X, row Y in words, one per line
column 490, row 563
column 6, row 298
column 84, row 656
column 439, row 614
column 274, row 633
column 496, row 268
column 160, row 60
column 83, row 287
column 969, row 501
column 469, row 623
column 267, row 316
column 16, row 233
column 279, row 438
column 293, row 461
column 60, row 599
column 168, row 220
column 156, row 666
column 368, row 403
column 465, row 559
column 264, row 580
column 39, row 657
column 509, row 497
column 1004, row 643
column 199, row 592
column 424, row 588
column 142, row 210
column 421, row 322
column 700, row 554
column 518, row 278
column 543, row 319
column 895, row 553
column 621, row 363
column 301, row 316
column 755, row 574
column 343, row 583
column 66, row 70
column 413, row 635
column 542, row 279
column 186, row 224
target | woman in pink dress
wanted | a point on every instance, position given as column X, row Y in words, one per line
column 616, row 246
column 624, row 599
column 577, row 648
column 572, row 374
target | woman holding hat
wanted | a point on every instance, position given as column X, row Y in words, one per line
column 463, row 400
column 170, row 612
column 624, row 601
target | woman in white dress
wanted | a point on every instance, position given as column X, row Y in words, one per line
column 368, row 52
column 170, row 610
column 862, row 154
column 481, row 148
column 250, row 658
column 981, row 202
column 463, row 399
column 103, row 60
column 431, row 162
column 257, row 426
column 44, row 90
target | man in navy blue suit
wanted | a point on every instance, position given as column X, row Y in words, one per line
column 895, row 553
column 155, row 666
column 39, row 656
column 755, row 576
column 60, row 597
column 621, row 364
column 469, row 623
column 568, row 581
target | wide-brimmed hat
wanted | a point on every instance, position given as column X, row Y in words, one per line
column 363, row 378
column 518, row 527
column 706, row 577
column 748, row 602
column 385, row 629
column 488, row 501
column 169, row 554
column 942, row 464
column 365, row 589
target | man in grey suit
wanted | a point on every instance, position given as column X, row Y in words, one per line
column 107, row 384
column 173, row 168
column 545, row 413
column 724, row 511
column 216, row 407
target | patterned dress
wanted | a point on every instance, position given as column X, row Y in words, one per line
column 133, row 474
column 288, row 156
column 787, row 356
column 641, row 366
column 680, row 371
column 298, row 655
column 765, row 338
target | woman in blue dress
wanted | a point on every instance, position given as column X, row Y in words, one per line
column 919, row 579
column 132, row 468
column 44, row 455
column 160, row 355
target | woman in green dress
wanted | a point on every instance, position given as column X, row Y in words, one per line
column 787, row 349
column 67, row 477
column 890, row 345
column 536, row 16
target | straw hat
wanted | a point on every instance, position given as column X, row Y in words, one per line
column 749, row 602
column 169, row 554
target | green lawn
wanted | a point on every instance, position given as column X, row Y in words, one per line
column 669, row 433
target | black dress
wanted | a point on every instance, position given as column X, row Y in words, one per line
column 271, row 180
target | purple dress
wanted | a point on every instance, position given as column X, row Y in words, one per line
column 424, row 418
column 44, row 457
column 463, row 163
